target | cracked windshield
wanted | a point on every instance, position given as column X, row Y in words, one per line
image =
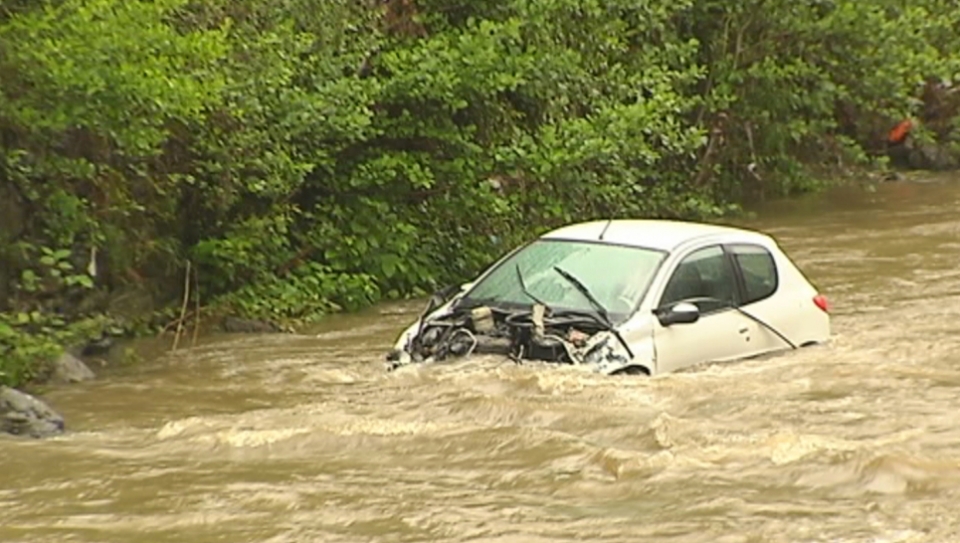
column 238, row 240
column 547, row 271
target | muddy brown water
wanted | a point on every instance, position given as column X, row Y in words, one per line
column 305, row 438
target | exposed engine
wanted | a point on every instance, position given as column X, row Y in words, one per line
column 536, row 334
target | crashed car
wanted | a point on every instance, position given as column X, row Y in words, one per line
column 626, row 296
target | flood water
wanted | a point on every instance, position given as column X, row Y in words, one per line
column 305, row 437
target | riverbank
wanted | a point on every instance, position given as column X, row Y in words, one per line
column 282, row 171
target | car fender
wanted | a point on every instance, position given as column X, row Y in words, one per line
column 411, row 331
column 638, row 334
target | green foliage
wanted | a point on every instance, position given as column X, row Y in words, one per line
column 304, row 295
column 54, row 272
column 22, row 354
column 793, row 84
column 310, row 156
column 114, row 68
column 30, row 341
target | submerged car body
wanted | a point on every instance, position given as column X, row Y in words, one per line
column 626, row 296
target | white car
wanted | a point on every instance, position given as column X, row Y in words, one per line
column 627, row 296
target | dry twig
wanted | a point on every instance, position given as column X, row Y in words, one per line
column 183, row 307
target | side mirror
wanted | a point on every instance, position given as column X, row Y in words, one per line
column 681, row 313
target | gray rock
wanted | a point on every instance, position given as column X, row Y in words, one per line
column 237, row 325
column 97, row 347
column 889, row 177
column 24, row 415
column 70, row 369
column 938, row 157
column 131, row 302
column 928, row 156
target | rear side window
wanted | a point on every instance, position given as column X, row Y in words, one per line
column 759, row 272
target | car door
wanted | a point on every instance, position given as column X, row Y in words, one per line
column 763, row 297
column 705, row 277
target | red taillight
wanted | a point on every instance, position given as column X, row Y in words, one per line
column 821, row 301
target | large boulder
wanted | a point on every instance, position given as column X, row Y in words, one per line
column 24, row 415
column 923, row 156
column 70, row 369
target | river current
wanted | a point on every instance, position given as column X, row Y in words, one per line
column 305, row 438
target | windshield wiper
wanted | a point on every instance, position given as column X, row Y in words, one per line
column 602, row 311
column 523, row 286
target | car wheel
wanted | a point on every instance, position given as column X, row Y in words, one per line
column 632, row 370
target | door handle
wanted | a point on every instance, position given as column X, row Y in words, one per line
column 744, row 330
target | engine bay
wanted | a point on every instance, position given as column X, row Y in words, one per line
column 531, row 334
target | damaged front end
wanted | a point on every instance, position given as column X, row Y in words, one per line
column 536, row 333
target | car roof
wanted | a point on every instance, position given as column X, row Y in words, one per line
column 664, row 235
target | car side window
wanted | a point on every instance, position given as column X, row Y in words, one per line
column 706, row 278
column 759, row 272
